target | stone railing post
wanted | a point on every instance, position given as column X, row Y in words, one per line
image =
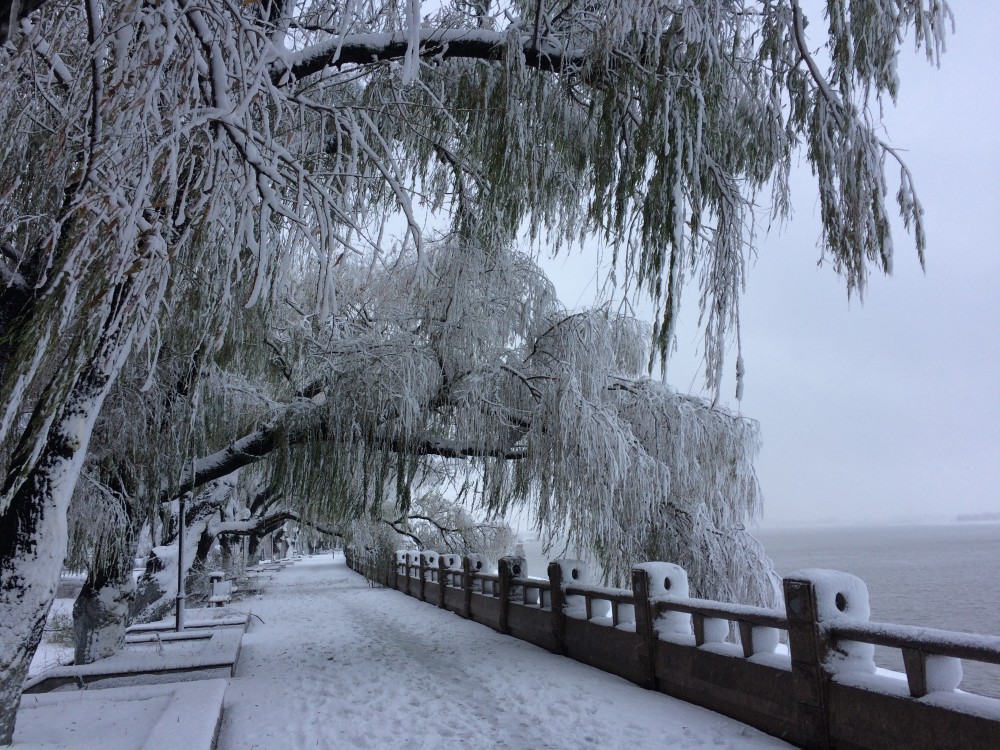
column 558, row 604
column 423, row 575
column 807, row 648
column 400, row 563
column 442, row 580
column 505, row 573
column 814, row 598
column 467, row 588
column 644, row 627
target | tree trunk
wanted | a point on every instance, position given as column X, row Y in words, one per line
column 226, row 551
column 33, row 535
column 157, row 589
column 205, row 543
column 101, row 612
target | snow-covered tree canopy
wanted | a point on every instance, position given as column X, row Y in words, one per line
column 205, row 134
column 459, row 367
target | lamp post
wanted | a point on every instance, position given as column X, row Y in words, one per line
column 181, row 596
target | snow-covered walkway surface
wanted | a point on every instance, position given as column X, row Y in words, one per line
column 339, row 664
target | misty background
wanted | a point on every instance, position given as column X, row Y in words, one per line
column 886, row 409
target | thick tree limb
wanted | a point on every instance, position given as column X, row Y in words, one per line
column 264, row 524
column 293, row 427
column 260, row 443
column 394, row 525
column 429, row 446
column 479, row 44
column 12, row 12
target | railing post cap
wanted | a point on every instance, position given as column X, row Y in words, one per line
column 479, row 564
column 839, row 595
column 518, row 565
column 430, row 557
column 573, row 571
column 665, row 578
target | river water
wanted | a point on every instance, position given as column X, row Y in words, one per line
column 944, row 576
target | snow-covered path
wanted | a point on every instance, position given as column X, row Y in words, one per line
column 338, row 664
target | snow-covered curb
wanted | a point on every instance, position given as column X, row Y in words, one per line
column 152, row 662
column 172, row 715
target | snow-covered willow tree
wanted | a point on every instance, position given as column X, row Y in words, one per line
column 152, row 424
column 140, row 155
column 461, row 368
column 148, row 142
column 465, row 361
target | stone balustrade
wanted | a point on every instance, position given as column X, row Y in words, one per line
column 805, row 673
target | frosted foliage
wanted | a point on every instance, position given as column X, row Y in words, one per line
column 670, row 121
column 373, row 537
column 174, row 161
column 441, row 524
column 242, row 140
column 237, row 146
column 464, row 353
column 643, row 473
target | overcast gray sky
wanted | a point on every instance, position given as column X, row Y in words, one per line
column 887, row 410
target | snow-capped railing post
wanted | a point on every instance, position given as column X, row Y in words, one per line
column 814, row 597
column 644, row 625
column 412, row 570
column 442, row 579
column 406, row 573
column 807, row 647
column 506, row 573
column 426, row 560
column 558, row 606
column 518, row 569
column 467, row 588
column 400, row 567
column 421, row 571
column 429, row 560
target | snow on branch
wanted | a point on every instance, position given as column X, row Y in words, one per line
column 439, row 44
column 264, row 524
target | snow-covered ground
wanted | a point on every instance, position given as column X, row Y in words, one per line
column 51, row 654
column 336, row 663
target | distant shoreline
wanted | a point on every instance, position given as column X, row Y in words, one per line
column 970, row 518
